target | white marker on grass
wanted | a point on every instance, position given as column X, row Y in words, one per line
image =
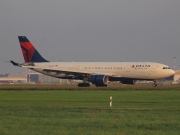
column 110, row 101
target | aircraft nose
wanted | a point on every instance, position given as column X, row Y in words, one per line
column 172, row 72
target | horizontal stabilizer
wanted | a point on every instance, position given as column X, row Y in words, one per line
column 14, row 63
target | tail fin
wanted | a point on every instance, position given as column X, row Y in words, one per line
column 29, row 51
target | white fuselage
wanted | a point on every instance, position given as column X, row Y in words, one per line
column 137, row 70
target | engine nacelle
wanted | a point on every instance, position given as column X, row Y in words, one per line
column 128, row 81
column 99, row 80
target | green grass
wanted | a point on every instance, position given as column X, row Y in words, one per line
column 81, row 112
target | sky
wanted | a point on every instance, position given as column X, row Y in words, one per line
column 91, row 30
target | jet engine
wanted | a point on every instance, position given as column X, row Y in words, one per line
column 99, row 80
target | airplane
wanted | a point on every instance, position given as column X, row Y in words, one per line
column 97, row 73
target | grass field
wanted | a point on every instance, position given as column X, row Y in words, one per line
column 87, row 112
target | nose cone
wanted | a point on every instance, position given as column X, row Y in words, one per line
column 167, row 73
column 171, row 72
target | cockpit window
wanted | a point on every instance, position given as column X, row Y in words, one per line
column 166, row 67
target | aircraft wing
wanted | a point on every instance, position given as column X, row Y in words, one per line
column 79, row 72
column 73, row 72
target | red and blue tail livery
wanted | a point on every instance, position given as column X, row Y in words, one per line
column 29, row 51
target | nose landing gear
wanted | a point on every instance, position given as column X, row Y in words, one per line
column 155, row 83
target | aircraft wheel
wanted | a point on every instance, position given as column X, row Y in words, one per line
column 101, row 85
column 83, row 85
column 155, row 83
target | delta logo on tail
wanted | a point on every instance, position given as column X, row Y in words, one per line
column 29, row 52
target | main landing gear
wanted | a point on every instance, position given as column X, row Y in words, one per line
column 85, row 82
column 155, row 83
column 83, row 85
column 101, row 85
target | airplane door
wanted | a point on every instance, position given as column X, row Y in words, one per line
column 152, row 71
column 127, row 69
